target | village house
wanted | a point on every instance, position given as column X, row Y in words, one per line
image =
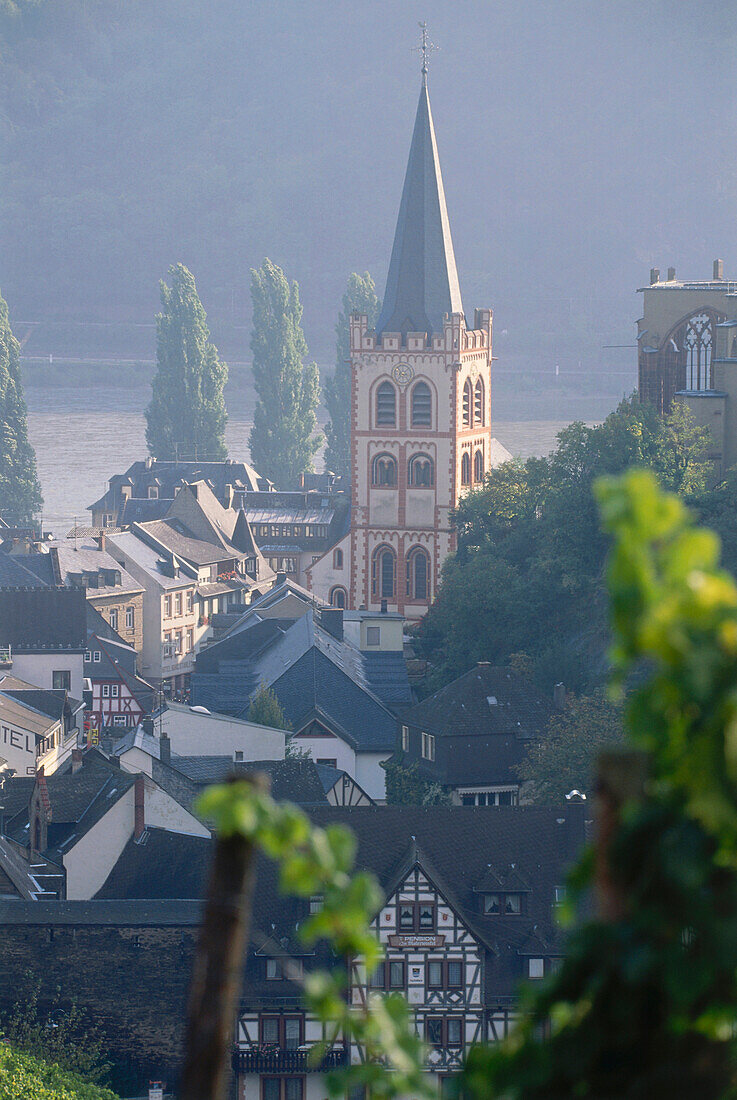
column 472, row 736
column 149, row 486
column 460, row 935
column 340, row 691
column 39, row 728
column 43, row 633
column 118, row 698
column 197, row 561
column 81, row 819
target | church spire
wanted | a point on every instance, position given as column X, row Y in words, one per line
column 422, row 284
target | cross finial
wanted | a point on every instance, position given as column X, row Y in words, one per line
column 425, row 48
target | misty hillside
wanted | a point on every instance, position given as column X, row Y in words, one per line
column 137, row 133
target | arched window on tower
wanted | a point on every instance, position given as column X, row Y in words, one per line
column 338, row 597
column 465, row 468
column 384, row 471
column 478, row 466
column 386, row 406
column 421, row 406
column 337, row 558
column 418, row 574
column 383, row 573
column 420, row 472
column 467, row 404
column 478, row 403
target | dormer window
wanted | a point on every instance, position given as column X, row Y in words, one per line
column 153, row 492
column 508, row 905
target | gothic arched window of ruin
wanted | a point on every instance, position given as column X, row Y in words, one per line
column 420, row 472
column 384, row 471
column 386, row 405
column 479, row 403
column 697, row 341
column 466, row 468
column 467, row 403
column 478, row 466
column 421, row 406
column 418, row 574
column 383, row 573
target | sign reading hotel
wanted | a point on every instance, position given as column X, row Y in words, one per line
column 413, row 940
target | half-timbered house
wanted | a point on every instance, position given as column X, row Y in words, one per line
column 470, row 896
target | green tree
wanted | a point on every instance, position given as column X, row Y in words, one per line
column 406, row 787
column 564, row 758
column 528, row 573
column 186, row 417
column 20, row 492
column 59, row 1033
column 265, row 709
column 360, row 297
column 23, row 1077
column 282, row 440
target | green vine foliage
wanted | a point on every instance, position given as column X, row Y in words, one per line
column 645, row 1005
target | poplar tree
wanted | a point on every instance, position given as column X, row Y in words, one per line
column 360, row 297
column 186, row 417
column 282, row 440
column 20, row 492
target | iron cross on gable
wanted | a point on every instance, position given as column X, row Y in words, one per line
column 425, row 48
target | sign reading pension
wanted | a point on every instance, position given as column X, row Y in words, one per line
column 413, row 940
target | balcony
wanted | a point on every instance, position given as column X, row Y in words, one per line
column 273, row 1060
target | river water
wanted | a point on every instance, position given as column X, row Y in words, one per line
column 85, row 434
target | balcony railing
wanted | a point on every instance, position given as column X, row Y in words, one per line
column 273, row 1060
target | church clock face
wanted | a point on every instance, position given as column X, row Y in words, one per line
column 402, row 374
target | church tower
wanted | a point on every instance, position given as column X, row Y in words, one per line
column 421, row 408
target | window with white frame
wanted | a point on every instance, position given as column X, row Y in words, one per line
column 96, row 656
column 114, row 618
column 106, row 691
column 536, row 968
column 87, row 655
column 114, row 691
column 428, row 746
column 130, row 618
column 405, row 738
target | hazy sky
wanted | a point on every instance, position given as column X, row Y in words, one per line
column 582, row 142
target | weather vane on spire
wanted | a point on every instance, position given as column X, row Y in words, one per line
column 425, row 47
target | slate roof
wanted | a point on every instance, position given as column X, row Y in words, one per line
column 293, row 780
column 485, row 700
column 150, row 560
column 168, row 475
column 51, row 701
column 535, row 843
column 312, row 673
column 14, row 574
column 16, row 709
column 422, row 283
column 78, row 801
column 43, row 618
column 181, row 541
column 85, row 556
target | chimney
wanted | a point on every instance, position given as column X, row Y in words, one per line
column 102, row 541
column 139, row 823
column 559, row 696
column 332, row 621
column 718, row 270
column 654, row 275
column 383, row 607
column 164, row 748
column 671, row 274
column 148, row 725
column 76, row 760
column 281, row 578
